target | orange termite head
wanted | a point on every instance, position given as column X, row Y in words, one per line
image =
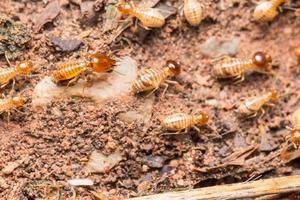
column 273, row 95
column 202, row 118
column 24, row 67
column 173, row 66
column 262, row 59
column 125, row 8
column 101, row 63
column 18, row 101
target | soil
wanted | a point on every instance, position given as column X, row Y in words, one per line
column 54, row 144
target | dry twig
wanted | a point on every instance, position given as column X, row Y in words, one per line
column 233, row 191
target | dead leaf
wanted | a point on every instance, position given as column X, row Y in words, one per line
column 48, row 14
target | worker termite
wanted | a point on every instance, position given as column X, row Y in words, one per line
column 10, row 103
column 250, row 106
column 151, row 78
column 150, row 17
column 71, row 71
column 294, row 136
column 181, row 121
column 267, row 10
column 21, row 68
column 193, row 11
column 235, row 68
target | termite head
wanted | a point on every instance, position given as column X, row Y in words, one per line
column 201, row 118
column 125, row 8
column 101, row 63
column 24, row 67
column 18, row 101
column 262, row 60
column 273, row 95
column 174, row 67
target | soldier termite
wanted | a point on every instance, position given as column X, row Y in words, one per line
column 193, row 11
column 235, row 68
column 250, row 106
column 21, row 68
column 150, row 17
column 267, row 10
column 71, row 71
column 182, row 121
column 150, row 79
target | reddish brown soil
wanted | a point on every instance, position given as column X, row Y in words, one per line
column 60, row 139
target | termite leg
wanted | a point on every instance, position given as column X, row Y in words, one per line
column 150, row 93
column 252, row 116
column 176, row 133
column 263, row 112
column 18, row 111
column 71, row 82
column 144, row 27
column 6, row 58
column 172, row 82
column 88, row 82
column 196, row 128
column 2, row 86
column 238, row 79
column 13, row 84
column 165, row 89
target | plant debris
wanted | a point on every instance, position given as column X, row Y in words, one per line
column 13, row 37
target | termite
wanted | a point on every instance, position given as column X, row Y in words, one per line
column 250, row 106
column 267, row 10
column 294, row 135
column 10, row 103
column 182, row 121
column 71, row 71
column 149, row 79
column 235, row 68
column 193, row 11
column 150, row 17
column 21, row 68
